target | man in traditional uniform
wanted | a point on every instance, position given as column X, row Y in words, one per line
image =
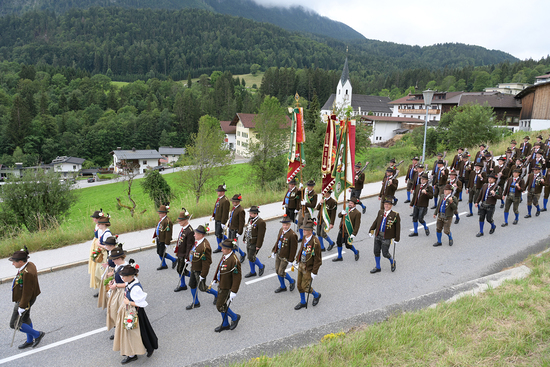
column 228, row 276
column 536, row 148
column 537, row 160
column 163, row 236
column 513, row 188
column 254, row 239
column 409, row 178
column 24, row 290
column 486, row 200
column 307, row 206
column 200, row 258
column 502, row 172
column 291, row 202
column 284, row 252
column 308, row 261
column 185, row 242
column 464, row 170
column 457, row 191
column 220, row 216
column 358, row 184
column 546, row 191
column 389, row 186
column 326, row 218
column 515, row 151
column 480, row 155
column 477, row 179
column 349, row 226
column 457, row 159
column 386, row 226
column 440, row 180
column 236, row 223
column 444, row 214
column 535, row 183
column 526, row 147
column 420, row 201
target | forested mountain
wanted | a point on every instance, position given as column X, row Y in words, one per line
column 295, row 18
column 131, row 44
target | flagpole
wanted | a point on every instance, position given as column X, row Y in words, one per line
column 345, row 173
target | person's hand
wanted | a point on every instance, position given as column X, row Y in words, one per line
column 237, row 235
column 352, row 236
column 370, row 235
column 313, row 276
column 223, row 226
column 126, row 301
column 112, row 285
column 450, row 200
column 201, row 278
column 212, row 219
column 434, row 215
column 475, row 205
column 301, row 185
column 20, row 311
column 214, row 281
column 231, row 296
column 303, row 202
column 395, row 242
column 272, row 255
column 343, row 212
column 187, row 262
column 330, row 226
column 296, row 211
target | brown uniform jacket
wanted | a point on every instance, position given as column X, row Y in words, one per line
column 222, row 210
column 310, row 253
column 311, row 201
column 529, row 184
column 505, row 173
column 293, row 198
column 456, row 162
column 527, row 149
column 440, row 177
column 393, row 225
column 355, row 217
column 359, row 181
column 480, row 157
column 515, row 153
column 458, row 188
column 237, row 219
column 165, row 231
column 331, row 209
column 230, row 273
column 25, row 286
column 491, row 199
column 479, row 181
column 533, row 162
column 201, row 258
column 388, row 188
column 424, row 199
column 289, row 244
column 519, row 187
column 257, row 232
column 449, row 207
column 464, row 169
column 186, row 241
column 410, row 175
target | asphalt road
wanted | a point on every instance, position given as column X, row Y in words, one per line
column 66, row 309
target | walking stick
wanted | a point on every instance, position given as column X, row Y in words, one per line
column 224, row 318
column 196, row 290
column 182, row 274
column 309, row 292
column 17, row 326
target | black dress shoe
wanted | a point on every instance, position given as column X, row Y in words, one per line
column 338, row 259
column 299, row 306
column 250, row 275
column 330, row 247
column 215, row 300
column 427, row 230
column 279, row 290
column 300, row 240
column 112, row 337
column 316, row 300
column 413, row 234
column 433, row 207
column 492, row 230
column 242, row 258
column 220, row 328
column 407, row 201
column 457, row 220
column 470, row 215
column 216, row 251
column 411, row 215
column 161, row 268
column 459, row 199
column 375, row 270
column 451, row 242
column 323, row 249
column 537, row 213
column 357, row 255
column 504, row 224
column 96, row 295
column 515, row 222
column 150, row 353
column 543, row 209
column 180, row 288
column 129, row 359
column 437, row 244
column 235, row 322
column 393, row 266
column 24, row 345
column 365, row 210
column 193, row 305
column 261, row 272
column 37, row 340
column 479, row 234
column 292, row 285
column 527, row 216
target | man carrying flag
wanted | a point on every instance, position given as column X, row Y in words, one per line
column 326, row 217
column 349, row 226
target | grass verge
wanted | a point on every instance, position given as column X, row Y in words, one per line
column 507, row 326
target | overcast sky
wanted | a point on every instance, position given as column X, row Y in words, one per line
column 517, row 27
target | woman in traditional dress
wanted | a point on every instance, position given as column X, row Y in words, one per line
column 136, row 338
column 116, row 286
column 110, row 243
column 92, row 264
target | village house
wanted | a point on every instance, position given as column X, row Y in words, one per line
column 245, row 135
column 171, row 154
column 230, row 132
column 535, row 102
column 141, row 159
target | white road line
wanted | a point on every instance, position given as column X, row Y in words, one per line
column 288, row 270
column 431, row 223
column 53, row 345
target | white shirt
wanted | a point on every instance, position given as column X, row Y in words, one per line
column 137, row 294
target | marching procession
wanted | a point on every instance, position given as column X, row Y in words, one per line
column 308, row 219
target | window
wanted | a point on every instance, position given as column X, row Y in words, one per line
column 245, row 144
column 245, row 135
column 238, row 142
column 74, row 167
column 145, row 162
column 238, row 133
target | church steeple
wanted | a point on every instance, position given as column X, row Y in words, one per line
column 345, row 72
column 344, row 90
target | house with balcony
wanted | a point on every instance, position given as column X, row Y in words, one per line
column 230, row 132
column 139, row 160
column 171, row 154
column 67, row 166
column 245, row 134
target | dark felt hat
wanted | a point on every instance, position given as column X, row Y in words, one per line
column 310, row 183
column 221, row 188
column 254, row 209
column 117, row 252
column 228, row 243
column 292, row 182
column 237, row 197
column 184, row 215
column 513, row 142
column 96, row 213
column 163, row 208
column 502, row 158
column 358, row 165
column 104, row 219
column 131, row 269
column 424, row 176
column 537, row 166
column 478, row 164
column 21, row 255
column 420, row 166
column 416, row 159
column 308, row 225
column 483, row 145
column 453, row 172
column 392, row 160
column 111, row 241
column 354, row 200
column 448, row 187
column 487, row 154
column 440, row 162
column 492, row 176
column 286, row 219
column 440, row 154
column 527, row 137
column 388, row 199
column 460, row 148
column 200, row 229
column 390, row 170
column 540, row 137
column 517, row 170
column 508, row 150
column 537, row 144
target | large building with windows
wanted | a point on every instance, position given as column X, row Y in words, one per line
column 245, row 135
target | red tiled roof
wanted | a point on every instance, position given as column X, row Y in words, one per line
column 392, row 119
column 228, row 128
column 543, row 76
column 248, row 122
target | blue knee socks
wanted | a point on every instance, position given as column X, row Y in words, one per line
column 408, row 195
column 538, row 208
column 182, row 280
column 450, row 235
column 481, row 224
column 231, row 314
column 303, row 298
column 354, row 250
column 460, row 196
column 470, row 205
column 315, row 294
column 282, row 281
column 27, row 329
column 287, row 277
column 506, row 217
column 195, row 296
column 363, row 206
column 213, row 292
column 322, row 242
column 301, row 233
column 331, row 242
column 545, row 202
column 377, row 259
column 517, row 216
column 258, row 263
column 252, row 268
column 163, row 261
column 438, row 234
column 435, row 201
column 456, row 215
column 171, row 258
column 529, row 207
column 339, row 252
column 225, row 318
column 424, row 224
column 219, row 240
column 415, row 225
column 493, row 225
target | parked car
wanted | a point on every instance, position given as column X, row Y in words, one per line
column 91, row 179
column 159, row 168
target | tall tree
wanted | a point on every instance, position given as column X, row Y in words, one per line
column 157, row 188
